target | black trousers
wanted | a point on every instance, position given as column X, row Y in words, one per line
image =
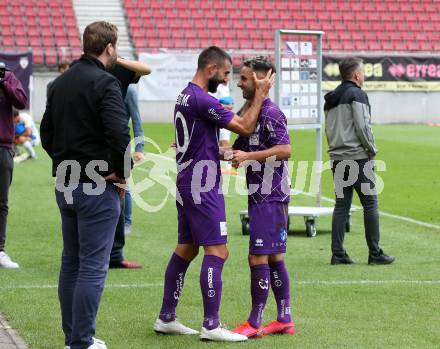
column 358, row 175
column 6, row 169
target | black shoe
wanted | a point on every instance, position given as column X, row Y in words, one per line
column 345, row 259
column 380, row 258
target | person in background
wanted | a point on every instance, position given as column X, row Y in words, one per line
column 26, row 134
column 12, row 95
column 224, row 136
column 352, row 149
column 127, row 72
column 131, row 104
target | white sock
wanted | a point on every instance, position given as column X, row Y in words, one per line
column 29, row 148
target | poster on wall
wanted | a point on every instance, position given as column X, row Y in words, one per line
column 390, row 73
column 171, row 73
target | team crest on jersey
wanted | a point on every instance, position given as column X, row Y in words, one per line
column 254, row 139
column 283, row 234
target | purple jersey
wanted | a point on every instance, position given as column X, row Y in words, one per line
column 197, row 119
column 263, row 184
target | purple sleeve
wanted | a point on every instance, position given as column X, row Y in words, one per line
column 211, row 109
column 14, row 91
column 276, row 128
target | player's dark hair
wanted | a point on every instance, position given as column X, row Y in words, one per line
column 260, row 64
column 348, row 66
column 97, row 36
column 212, row 55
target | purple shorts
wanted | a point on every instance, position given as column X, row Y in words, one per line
column 202, row 224
column 268, row 228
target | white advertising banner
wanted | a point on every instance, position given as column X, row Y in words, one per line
column 171, row 73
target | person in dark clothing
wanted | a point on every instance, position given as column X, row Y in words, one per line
column 127, row 72
column 352, row 150
column 11, row 95
column 85, row 131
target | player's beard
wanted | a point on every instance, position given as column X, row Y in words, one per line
column 248, row 93
column 213, row 83
column 112, row 61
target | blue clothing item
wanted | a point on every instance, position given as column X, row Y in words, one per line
column 228, row 100
column 19, row 128
column 128, row 207
column 117, row 252
column 131, row 104
column 88, row 227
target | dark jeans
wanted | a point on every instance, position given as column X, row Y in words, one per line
column 117, row 254
column 6, row 168
column 88, row 226
column 346, row 174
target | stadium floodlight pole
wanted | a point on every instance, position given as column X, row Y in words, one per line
column 301, row 125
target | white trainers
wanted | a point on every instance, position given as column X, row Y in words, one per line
column 221, row 334
column 172, row 327
column 6, row 262
column 97, row 344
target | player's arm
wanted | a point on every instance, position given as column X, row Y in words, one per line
column 280, row 152
column 244, row 124
column 135, row 66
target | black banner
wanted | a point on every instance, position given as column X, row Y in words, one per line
column 21, row 65
column 391, row 73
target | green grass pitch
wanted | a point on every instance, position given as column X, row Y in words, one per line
column 357, row 306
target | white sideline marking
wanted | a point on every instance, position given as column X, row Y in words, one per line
column 304, row 283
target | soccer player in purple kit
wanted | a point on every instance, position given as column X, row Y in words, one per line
column 200, row 203
column 265, row 154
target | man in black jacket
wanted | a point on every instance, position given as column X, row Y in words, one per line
column 85, row 132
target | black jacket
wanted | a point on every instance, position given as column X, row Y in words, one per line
column 85, row 119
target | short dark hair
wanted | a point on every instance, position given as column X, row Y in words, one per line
column 348, row 66
column 212, row 54
column 98, row 35
column 15, row 112
column 260, row 64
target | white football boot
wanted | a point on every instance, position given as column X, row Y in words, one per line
column 221, row 334
column 172, row 327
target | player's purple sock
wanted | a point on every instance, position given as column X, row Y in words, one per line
column 211, row 286
column 174, row 278
column 279, row 280
column 260, row 275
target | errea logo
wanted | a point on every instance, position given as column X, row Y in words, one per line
column 259, row 243
column 213, row 112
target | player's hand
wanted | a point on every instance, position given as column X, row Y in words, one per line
column 262, row 86
column 238, row 158
column 138, row 156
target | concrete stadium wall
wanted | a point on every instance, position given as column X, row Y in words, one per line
column 387, row 107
